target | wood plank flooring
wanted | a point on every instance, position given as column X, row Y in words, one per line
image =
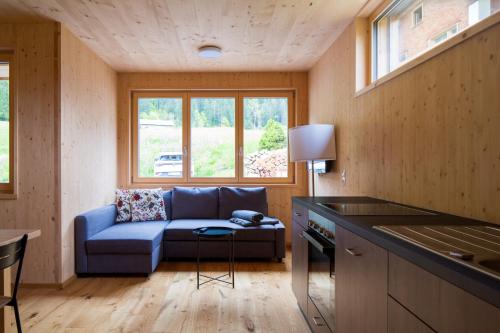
column 167, row 301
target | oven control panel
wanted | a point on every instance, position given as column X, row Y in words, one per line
column 322, row 225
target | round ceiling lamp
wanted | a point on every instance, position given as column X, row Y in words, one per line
column 209, row 51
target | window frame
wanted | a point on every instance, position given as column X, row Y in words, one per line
column 136, row 178
column 10, row 187
column 186, row 96
column 421, row 6
column 384, row 9
column 291, row 121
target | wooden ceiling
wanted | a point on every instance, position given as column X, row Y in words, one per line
column 164, row 35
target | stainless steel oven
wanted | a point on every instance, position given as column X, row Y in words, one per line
column 321, row 283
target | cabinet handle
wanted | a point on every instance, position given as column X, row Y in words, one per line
column 318, row 323
column 353, row 253
column 298, row 214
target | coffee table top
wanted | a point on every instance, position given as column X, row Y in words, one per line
column 215, row 232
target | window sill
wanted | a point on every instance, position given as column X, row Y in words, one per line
column 427, row 55
column 171, row 185
column 8, row 196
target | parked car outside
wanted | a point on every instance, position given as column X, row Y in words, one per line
column 168, row 164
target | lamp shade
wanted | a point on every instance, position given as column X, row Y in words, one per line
column 312, row 142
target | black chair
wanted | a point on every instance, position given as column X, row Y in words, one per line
column 9, row 255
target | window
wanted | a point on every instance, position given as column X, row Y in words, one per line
column 160, row 135
column 211, row 137
column 418, row 15
column 6, row 125
column 444, row 35
column 265, row 137
column 400, row 32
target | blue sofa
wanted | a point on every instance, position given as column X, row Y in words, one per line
column 103, row 245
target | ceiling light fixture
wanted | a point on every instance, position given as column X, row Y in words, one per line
column 209, row 51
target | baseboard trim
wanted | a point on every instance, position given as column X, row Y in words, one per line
column 62, row 285
column 68, row 281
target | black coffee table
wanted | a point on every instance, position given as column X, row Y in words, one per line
column 211, row 233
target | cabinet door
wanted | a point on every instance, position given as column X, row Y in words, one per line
column 401, row 320
column 299, row 265
column 440, row 304
column 300, row 214
column 316, row 321
column 360, row 284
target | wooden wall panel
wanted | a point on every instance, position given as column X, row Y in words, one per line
column 35, row 47
column 279, row 195
column 88, row 138
column 428, row 137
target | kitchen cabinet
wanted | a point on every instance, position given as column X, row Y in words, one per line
column 441, row 305
column 375, row 289
column 299, row 265
column 360, row 284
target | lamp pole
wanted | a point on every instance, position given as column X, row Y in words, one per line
column 312, row 176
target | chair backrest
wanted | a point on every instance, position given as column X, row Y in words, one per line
column 11, row 254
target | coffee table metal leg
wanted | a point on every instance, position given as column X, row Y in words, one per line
column 229, row 255
column 198, row 264
column 232, row 256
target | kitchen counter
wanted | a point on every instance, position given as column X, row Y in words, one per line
column 479, row 284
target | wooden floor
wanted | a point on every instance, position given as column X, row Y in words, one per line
column 168, row 301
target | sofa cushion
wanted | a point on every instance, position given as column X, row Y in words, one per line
column 195, row 203
column 235, row 198
column 147, row 205
column 123, row 210
column 182, row 230
column 133, row 237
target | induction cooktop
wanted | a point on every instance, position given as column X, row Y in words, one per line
column 374, row 209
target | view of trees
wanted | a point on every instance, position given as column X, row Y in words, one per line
column 274, row 136
column 4, row 100
column 161, row 109
column 212, row 112
column 4, row 131
column 258, row 111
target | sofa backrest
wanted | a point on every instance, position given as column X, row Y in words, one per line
column 237, row 198
column 167, row 200
column 195, row 203
column 213, row 202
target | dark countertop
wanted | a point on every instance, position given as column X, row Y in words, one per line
column 479, row 284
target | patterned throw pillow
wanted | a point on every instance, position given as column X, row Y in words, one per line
column 147, row 205
column 124, row 213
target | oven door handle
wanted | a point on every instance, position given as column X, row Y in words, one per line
column 320, row 245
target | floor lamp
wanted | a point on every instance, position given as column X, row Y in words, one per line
column 314, row 142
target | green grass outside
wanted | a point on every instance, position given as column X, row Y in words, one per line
column 212, row 149
column 4, row 151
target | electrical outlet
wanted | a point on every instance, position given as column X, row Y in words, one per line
column 343, row 176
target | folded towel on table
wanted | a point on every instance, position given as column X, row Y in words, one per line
column 246, row 223
column 248, row 215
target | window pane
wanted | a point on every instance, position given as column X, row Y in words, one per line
column 160, row 137
column 4, row 123
column 265, row 137
column 213, row 137
column 411, row 27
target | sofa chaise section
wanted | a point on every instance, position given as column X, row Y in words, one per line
column 103, row 246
